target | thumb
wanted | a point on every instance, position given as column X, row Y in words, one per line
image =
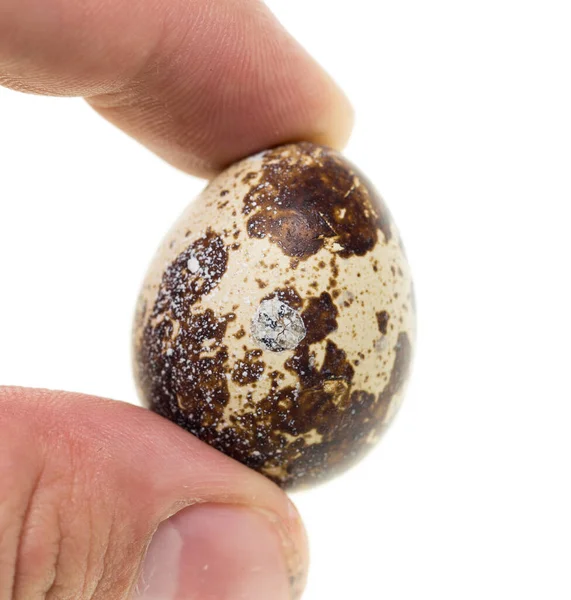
column 104, row 500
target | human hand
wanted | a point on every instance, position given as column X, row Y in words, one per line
column 85, row 483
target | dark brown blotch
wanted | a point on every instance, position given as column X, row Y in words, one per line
column 249, row 176
column 181, row 287
column 383, row 321
column 181, row 358
column 307, row 194
column 249, row 369
column 319, row 318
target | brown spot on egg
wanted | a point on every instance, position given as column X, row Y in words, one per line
column 320, row 318
column 249, row 369
column 249, row 176
column 182, row 365
column 182, row 357
column 195, row 272
column 383, row 321
column 310, row 194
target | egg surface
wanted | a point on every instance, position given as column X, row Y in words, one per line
column 276, row 321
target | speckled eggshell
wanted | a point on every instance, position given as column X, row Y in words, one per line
column 276, row 321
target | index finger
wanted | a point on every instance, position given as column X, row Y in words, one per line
column 200, row 82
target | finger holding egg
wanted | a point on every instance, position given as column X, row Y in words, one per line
column 276, row 321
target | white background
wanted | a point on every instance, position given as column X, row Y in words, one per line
column 464, row 123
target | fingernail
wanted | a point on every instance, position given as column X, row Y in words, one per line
column 217, row 552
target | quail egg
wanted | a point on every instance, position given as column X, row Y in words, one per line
column 277, row 320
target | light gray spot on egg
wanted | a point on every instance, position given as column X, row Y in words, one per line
column 276, row 326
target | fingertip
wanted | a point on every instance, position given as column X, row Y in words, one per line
column 337, row 119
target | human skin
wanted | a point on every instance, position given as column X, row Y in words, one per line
column 88, row 510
